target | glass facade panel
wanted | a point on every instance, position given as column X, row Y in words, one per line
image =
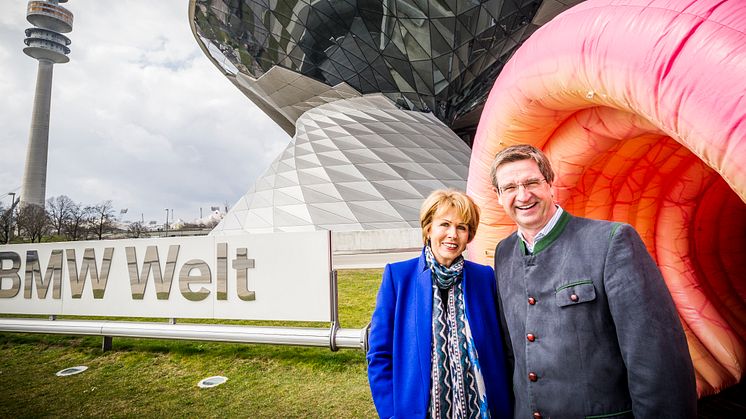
column 423, row 55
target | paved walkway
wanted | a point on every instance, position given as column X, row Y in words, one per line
column 371, row 260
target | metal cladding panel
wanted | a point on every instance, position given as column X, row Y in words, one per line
column 352, row 190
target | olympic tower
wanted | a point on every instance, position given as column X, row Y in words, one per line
column 45, row 43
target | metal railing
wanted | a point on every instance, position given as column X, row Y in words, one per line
column 333, row 337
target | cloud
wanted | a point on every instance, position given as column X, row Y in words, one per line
column 139, row 115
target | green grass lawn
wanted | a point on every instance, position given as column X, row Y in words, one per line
column 158, row 378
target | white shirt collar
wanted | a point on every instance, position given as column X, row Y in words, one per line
column 544, row 231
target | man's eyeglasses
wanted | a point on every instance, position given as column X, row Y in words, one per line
column 529, row 185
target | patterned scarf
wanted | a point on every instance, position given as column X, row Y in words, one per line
column 456, row 386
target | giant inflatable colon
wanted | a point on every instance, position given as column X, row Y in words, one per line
column 641, row 107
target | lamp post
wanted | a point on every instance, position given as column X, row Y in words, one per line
column 165, row 227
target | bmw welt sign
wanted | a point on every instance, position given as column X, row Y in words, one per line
column 283, row 276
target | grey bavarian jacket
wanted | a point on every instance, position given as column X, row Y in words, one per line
column 591, row 327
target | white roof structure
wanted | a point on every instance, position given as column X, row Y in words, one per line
column 353, row 164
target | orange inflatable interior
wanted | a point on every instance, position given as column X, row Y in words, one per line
column 639, row 105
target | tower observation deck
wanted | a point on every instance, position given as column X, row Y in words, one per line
column 45, row 43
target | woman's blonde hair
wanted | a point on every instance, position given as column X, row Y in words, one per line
column 443, row 199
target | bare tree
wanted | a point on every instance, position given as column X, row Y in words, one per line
column 136, row 230
column 32, row 222
column 101, row 218
column 75, row 228
column 7, row 216
column 6, row 219
column 60, row 211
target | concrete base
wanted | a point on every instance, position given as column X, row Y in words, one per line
column 370, row 260
column 376, row 241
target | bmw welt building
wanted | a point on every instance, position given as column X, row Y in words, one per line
column 381, row 98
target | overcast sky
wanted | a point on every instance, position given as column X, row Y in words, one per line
column 139, row 115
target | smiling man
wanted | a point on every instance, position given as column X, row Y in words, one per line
column 589, row 325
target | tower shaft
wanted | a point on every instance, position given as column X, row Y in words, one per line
column 45, row 43
column 33, row 189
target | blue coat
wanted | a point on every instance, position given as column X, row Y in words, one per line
column 401, row 337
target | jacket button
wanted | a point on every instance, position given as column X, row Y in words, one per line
column 531, row 300
column 530, row 337
column 537, row 415
column 574, row 298
column 532, row 376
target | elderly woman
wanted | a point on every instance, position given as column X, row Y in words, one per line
column 435, row 344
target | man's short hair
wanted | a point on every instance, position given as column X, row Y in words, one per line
column 520, row 152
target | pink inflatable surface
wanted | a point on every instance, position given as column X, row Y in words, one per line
column 641, row 106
